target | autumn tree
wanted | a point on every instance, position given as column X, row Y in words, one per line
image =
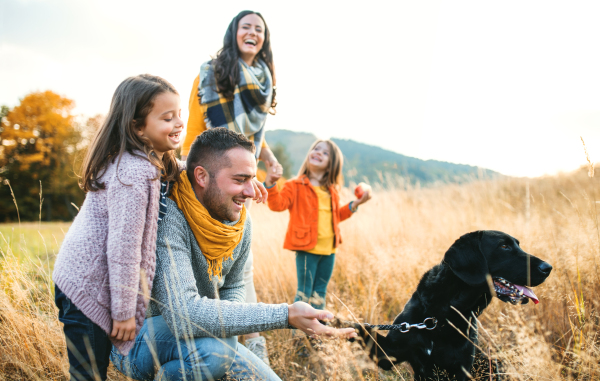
column 39, row 141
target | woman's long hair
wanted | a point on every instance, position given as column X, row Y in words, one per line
column 227, row 71
column 333, row 175
column 131, row 103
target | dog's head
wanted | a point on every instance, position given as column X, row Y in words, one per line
column 475, row 255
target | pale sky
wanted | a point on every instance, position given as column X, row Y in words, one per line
column 505, row 85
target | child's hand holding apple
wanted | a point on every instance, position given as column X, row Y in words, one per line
column 363, row 193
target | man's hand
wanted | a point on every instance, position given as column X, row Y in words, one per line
column 123, row 330
column 304, row 317
column 259, row 191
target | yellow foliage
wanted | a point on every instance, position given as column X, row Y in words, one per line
column 40, row 127
column 39, row 142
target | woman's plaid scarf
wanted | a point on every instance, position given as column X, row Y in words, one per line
column 247, row 111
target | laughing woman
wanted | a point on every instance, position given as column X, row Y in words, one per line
column 236, row 90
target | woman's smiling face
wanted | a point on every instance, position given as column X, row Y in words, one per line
column 250, row 37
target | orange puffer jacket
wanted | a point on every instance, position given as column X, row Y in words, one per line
column 300, row 198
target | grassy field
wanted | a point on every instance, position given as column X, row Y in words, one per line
column 33, row 239
column 386, row 248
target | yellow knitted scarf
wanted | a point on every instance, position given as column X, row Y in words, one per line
column 216, row 240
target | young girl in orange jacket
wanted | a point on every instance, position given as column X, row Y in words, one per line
column 313, row 231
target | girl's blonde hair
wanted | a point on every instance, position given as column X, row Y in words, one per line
column 131, row 103
column 333, row 175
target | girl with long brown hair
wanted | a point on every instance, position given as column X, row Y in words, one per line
column 106, row 262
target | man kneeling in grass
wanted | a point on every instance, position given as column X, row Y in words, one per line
column 197, row 307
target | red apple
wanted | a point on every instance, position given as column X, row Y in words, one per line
column 359, row 191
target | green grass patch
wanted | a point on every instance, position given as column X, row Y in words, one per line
column 32, row 240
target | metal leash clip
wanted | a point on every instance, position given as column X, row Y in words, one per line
column 428, row 324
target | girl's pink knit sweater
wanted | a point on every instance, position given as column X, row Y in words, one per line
column 110, row 243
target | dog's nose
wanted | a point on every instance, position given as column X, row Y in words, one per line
column 545, row 268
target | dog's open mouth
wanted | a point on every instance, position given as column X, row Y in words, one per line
column 513, row 293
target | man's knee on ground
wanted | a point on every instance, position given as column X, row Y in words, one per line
column 214, row 356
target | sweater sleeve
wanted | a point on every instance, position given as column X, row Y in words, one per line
column 188, row 314
column 196, row 124
column 279, row 201
column 128, row 198
column 234, row 287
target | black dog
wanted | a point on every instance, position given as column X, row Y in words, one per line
column 459, row 283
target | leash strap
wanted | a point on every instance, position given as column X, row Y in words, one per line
column 429, row 324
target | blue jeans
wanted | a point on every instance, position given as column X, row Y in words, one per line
column 88, row 346
column 314, row 272
column 158, row 355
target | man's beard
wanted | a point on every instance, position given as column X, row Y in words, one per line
column 215, row 204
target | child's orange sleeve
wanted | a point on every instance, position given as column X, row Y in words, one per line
column 344, row 212
column 279, row 201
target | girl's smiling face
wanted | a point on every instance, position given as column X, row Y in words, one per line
column 318, row 158
column 163, row 125
column 250, row 37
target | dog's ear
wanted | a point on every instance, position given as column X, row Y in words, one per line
column 466, row 259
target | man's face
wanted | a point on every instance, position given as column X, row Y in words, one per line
column 231, row 186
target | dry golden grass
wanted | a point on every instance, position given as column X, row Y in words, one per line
column 387, row 246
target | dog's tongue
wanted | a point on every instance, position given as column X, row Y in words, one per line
column 528, row 293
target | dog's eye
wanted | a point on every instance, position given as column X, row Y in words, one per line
column 505, row 247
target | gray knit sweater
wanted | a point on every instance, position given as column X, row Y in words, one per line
column 193, row 304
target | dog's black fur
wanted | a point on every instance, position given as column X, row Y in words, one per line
column 459, row 281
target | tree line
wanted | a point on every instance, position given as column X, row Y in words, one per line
column 41, row 147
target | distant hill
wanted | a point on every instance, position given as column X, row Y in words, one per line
column 375, row 164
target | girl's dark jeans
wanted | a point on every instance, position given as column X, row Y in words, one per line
column 314, row 272
column 88, row 346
